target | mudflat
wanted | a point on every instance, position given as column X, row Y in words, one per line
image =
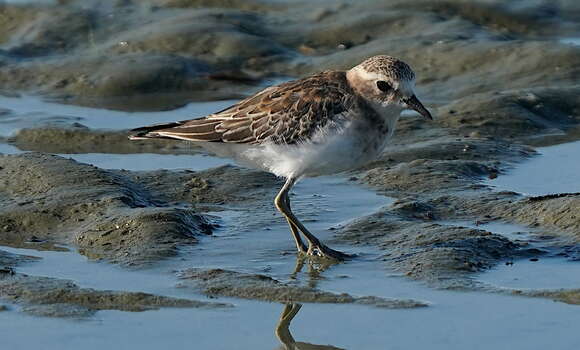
column 94, row 227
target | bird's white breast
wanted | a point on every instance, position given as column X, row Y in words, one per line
column 331, row 151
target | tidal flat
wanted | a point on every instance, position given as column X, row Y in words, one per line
column 466, row 230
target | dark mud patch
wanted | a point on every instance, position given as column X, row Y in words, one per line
column 443, row 164
column 444, row 256
column 41, row 30
column 131, row 57
column 418, row 241
column 226, row 184
column 558, row 213
column 555, row 215
column 568, row 296
column 44, row 296
column 125, row 82
column 160, row 54
column 105, row 214
column 525, row 115
column 498, row 17
column 218, row 282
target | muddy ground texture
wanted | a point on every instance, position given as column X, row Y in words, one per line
column 495, row 76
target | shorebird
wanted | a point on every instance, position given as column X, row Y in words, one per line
column 323, row 124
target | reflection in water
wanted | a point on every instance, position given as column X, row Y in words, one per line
column 315, row 269
column 286, row 338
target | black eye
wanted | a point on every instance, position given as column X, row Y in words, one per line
column 384, row 86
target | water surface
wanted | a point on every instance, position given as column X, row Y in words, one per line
column 31, row 111
column 555, row 170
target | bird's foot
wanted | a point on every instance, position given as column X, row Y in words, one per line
column 322, row 251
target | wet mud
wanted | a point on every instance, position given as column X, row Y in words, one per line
column 496, row 75
column 51, row 297
column 191, row 50
column 105, row 214
column 569, row 296
column 218, row 282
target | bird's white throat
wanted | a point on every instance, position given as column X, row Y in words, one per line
column 390, row 113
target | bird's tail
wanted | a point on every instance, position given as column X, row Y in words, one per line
column 149, row 132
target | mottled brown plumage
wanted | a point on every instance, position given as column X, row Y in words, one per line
column 388, row 66
column 285, row 114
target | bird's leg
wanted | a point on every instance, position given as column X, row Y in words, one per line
column 295, row 232
column 315, row 247
column 282, row 200
column 283, row 326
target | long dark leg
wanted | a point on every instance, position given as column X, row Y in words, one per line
column 315, row 247
column 283, row 200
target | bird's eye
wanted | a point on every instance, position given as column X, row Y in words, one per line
column 384, row 86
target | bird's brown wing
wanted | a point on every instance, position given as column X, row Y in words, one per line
column 287, row 113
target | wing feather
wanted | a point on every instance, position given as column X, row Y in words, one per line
column 288, row 113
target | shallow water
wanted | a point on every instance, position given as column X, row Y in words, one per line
column 8, row 149
column 454, row 320
column 148, row 161
column 30, row 111
column 555, row 170
column 548, row 272
column 261, row 243
column 138, row 161
column 512, row 323
column 571, row 41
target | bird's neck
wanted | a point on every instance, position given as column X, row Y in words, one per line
column 357, row 82
column 389, row 113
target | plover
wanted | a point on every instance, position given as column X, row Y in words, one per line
column 323, row 124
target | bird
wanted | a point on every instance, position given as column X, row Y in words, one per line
column 323, row 124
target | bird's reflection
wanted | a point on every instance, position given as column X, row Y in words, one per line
column 285, row 336
column 314, row 274
column 315, row 270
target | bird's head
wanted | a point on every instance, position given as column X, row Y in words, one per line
column 387, row 81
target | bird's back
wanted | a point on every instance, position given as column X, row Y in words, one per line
column 288, row 113
column 313, row 126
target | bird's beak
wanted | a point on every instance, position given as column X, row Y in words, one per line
column 414, row 103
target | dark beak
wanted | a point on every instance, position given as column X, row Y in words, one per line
column 414, row 103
